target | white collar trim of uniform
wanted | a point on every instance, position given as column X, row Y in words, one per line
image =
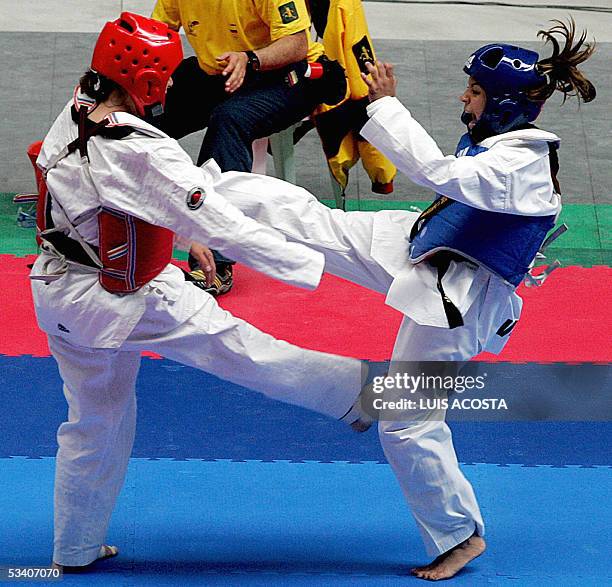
column 127, row 119
column 117, row 118
column 79, row 99
column 529, row 134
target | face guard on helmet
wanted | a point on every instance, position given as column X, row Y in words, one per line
column 140, row 54
column 506, row 73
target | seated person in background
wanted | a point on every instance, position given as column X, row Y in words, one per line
column 246, row 82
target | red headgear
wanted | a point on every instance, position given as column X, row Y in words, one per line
column 140, row 54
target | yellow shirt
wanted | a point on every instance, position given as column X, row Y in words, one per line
column 216, row 26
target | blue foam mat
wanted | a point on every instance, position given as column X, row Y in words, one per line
column 252, row 523
column 297, row 499
column 184, row 413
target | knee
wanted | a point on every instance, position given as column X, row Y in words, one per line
column 228, row 118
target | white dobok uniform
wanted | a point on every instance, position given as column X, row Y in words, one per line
column 371, row 249
column 96, row 336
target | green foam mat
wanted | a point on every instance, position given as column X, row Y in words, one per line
column 587, row 243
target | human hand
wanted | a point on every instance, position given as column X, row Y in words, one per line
column 381, row 82
column 205, row 259
column 235, row 69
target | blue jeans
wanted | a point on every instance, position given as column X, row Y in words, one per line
column 265, row 104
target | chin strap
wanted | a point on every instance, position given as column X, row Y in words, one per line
column 480, row 131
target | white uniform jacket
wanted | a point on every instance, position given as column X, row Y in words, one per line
column 148, row 175
column 512, row 176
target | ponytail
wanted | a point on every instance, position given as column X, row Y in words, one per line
column 561, row 68
column 97, row 86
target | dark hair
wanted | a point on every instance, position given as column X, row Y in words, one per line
column 98, row 86
column 561, row 68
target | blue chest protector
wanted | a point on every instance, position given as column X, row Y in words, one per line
column 506, row 244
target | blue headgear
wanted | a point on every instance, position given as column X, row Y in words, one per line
column 505, row 72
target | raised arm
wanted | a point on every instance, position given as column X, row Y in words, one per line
column 504, row 178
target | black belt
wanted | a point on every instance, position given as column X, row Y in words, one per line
column 70, row 248
column 441, row 262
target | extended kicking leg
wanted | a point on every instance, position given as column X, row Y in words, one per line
column 345, row 238
column 219, row 343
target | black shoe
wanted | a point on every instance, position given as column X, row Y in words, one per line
column 222, row 283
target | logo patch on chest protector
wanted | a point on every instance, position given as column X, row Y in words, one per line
column 288, row 12
column 195, row 198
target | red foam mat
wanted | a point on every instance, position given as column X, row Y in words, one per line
column 568, row 319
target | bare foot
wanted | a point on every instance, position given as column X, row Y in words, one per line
column 105, row 552
column 447, row 565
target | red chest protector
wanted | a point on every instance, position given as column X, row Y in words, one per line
column 41, row 187
column 131, row 252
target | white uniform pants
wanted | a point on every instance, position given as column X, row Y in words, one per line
column 421, row 452
column 99, row 384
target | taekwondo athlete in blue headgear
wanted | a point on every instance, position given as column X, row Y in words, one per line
column 497, row 198
column 506, row 244
column 453, row 270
